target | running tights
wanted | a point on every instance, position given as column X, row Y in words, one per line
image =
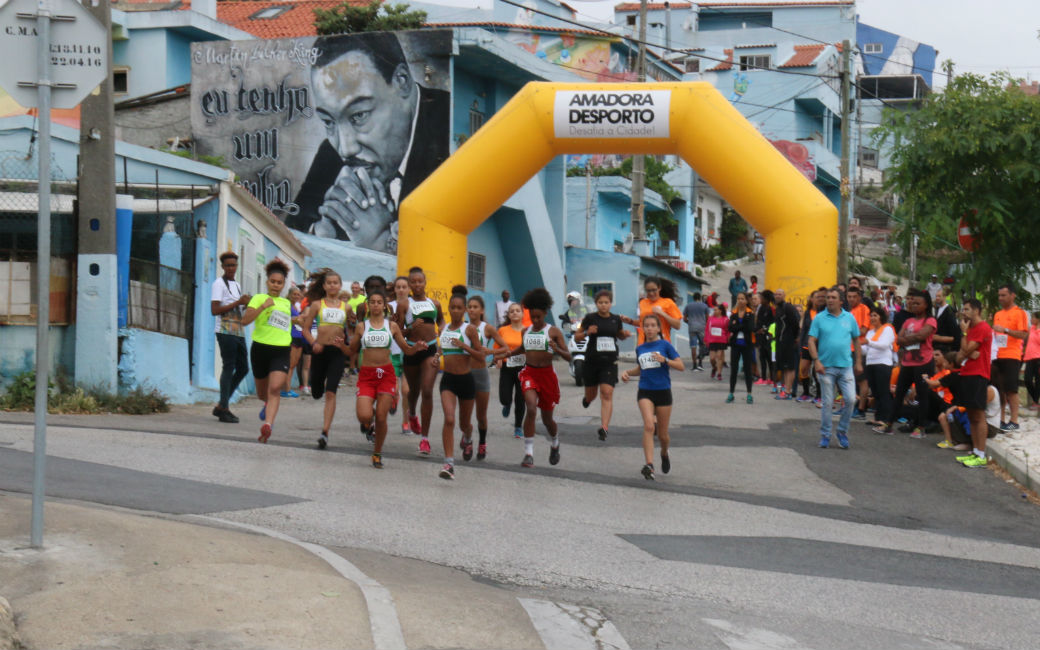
column 1032, row 376
column 766, row 367
column 509, row 388
column 736, row 353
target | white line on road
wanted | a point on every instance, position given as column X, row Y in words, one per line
column 570, row 627
column 382, row 612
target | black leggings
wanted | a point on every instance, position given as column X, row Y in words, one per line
column 913, row 375
column 765, row 360
column 879, row 378
column 736, row 353
column 509, row 388
column 327, row 369
column 1032, row 376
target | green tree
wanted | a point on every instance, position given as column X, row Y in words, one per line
column 373, row 17
column 655, row 170
column 972, row 151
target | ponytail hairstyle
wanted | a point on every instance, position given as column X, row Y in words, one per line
column 316, row 288
column 459, row 291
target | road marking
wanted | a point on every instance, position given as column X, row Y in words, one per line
column 382, row 612
column 741, row 637
column 570, row 627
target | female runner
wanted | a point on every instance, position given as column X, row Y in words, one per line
column 741, row 325
column 716, row 337
column 481, row 377
column 603, row 329
column 401, row 291
column 377, row 382
column 459, row 347
column 296, row 351
column 655, row 357
column 509, row 388
column 422, row 316
column 328, row 346
column 538, row 379
column 269, row 354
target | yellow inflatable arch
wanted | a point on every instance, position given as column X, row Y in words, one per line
column 691, row 119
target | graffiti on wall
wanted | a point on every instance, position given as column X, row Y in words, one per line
column 329, row 133
column 593, row 59
column 798, row 155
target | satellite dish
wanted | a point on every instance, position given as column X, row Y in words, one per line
column 626, row 246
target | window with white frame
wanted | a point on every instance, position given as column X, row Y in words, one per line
column 475, row 271
column 873, row 48
column 868, row 157
column 754, row 62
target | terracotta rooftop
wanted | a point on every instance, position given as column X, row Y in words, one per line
column 803, row 57
column 296, row 18
column 725, row 65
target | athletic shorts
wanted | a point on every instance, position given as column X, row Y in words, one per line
column 970, row 392
column 302, row 343
column 787, row 356
column 265, row 359
column 805, row 355
column 327, row 369
column 376, row 380
column 544, row 382
column 462, row 386
column 1004, row 374
column 395, row 361
column 481, row 380
column 594, row 373
column 716, row 347
column 656, row 397
column 417, row 358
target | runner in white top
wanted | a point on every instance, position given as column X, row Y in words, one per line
column 486, row 334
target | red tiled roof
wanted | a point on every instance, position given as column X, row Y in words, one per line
column 753, row 45
column 537, row 28
column 803, row 57
column 650, row 6
column 296, row 21
column 725, row 65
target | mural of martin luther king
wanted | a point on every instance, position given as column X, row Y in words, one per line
column 384, row 134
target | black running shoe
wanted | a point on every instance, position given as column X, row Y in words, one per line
column 228, row 417
column 467, row 449
column 528, row 461
column 554, row 455
column 666, row 464
column 585, row 403
column 323, row 441
column 602, row 433
column 369, row 432
column 217, row 411
column 648, row 472
column 505, row 411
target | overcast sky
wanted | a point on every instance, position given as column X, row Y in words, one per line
column 979, row 36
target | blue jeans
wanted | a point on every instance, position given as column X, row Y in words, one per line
column 846, row 382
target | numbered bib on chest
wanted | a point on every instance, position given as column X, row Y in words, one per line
column 423, row 309
column 716, row 331
column 536, row 341
column 605, row 344
column 450, row 340
column 279, row 320
column 376, row 339
column 516, row 361
column 647, row 361
column 333, row 316
column 1000, row 340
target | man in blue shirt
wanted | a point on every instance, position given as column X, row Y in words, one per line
column 737, row 285
column 833, row 335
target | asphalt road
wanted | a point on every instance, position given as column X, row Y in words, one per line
column 756, row 539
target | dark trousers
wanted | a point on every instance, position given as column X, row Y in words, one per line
column 235, row 358
column 509, row 389
column 765, row 360
column 1032, row 376
column 736, row 354
column 879, row 379
column 912, row 375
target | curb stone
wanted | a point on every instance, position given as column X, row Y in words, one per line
column 1012, row 464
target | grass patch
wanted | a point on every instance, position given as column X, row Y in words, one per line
column 64, row 397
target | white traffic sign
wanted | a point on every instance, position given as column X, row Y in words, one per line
column 78, row 51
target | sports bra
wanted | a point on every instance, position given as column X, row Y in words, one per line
column 331, row 315
column 482, row 339
column 376, row 338
column 450, row 340
column 537, row 341
column 420, row 310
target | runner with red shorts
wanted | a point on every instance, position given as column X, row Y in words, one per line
column 538, row 379
column 377, row 383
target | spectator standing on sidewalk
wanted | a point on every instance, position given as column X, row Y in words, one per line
column 502, row 310
column 1010, row 330
column 970, row 390
column 737, row 285
column 817, row 303
column 861, row 312
column 227, row 303
column 916, row 359
column 1032, row 359
column 831, row 337
column 934, row 286
column 696, row 313
column 880, row 356
column 763, row 321
column 948, row 328
column 786, row 343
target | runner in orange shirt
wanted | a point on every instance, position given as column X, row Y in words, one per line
column 660, row 300
column 1010, row 330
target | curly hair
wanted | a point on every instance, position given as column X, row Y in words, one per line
column 277, row 266
column 537, row 299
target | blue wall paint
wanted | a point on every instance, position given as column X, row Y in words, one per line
column 137, row 366
column 486, row 241
column 18, row 350
column 923, row 56
column 178, row 59
column 595, row 266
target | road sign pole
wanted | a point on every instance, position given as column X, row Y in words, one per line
column 43, row 271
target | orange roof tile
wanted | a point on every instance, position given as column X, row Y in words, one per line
column 803, row 57
column 725, row 65
column 297, row 20
column 650, row 6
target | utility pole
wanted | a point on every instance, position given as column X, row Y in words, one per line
column 588, row 200
column 638, row 161
column 846, row 187
column 668, row 27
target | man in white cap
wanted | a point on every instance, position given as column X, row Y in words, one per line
column 933, row 286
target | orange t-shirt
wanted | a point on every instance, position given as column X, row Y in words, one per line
column 1015, row 318
column 668, row 306
column 513, row 338
column 862, row 315
column 942, row 391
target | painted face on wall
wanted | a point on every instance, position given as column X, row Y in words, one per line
column 367, row 119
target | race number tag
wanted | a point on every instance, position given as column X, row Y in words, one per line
column 280, row 320
column 377, row 339
column 647, row 361
column 911, row 347
column 740, row 337
column 605, row 344
column 1000, row 340
column 716, row 331
column 332, row 316
column 516, row 361
column 450, row 340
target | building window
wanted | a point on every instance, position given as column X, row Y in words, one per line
column 475, row 271
column 631, row 20
column 121, row 80
column 590, row 289
column 693, row 64
column 269, row 13
column 873, row 48
column 19, row 270
column 476, row 118
column 868, row 157
column 754, row 62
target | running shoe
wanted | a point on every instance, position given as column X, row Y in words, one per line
column 265, row 432
column 882, row 429
column 961, row 459
column 843, row 440
column 528, row 461
column 518, row 433
column 750, row 399
column 424, row 446
column 918, row 434
column 467, row 449
column 290, row 394
column 902, row 421
column 305, row 390
column 804, row 398
column 974, row 461
column 323, row 441
column 774, row 388
column 554, row 455
column 217, row 411
column 585, row 403
column 448, row 472
column 369, row 432
column 377, row 461
column 945, row 444
column 228, row 417
column 907, row 428
column 729, row 398
column 666, row 464
column 783, row 395
column 263, row 412
column 481, row 452
column 393, row 405
column 825, row 442
column 718, row 377
column 416, row 426
column 505, row 411
column 858, row 415
column 602, row 433
column 818, row 402
column 406, row 430
column 1011, row 426
column 648, row 472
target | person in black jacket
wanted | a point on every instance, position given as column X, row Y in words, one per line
column 948, row 333
column 787, row 351
column 741, row 326
column 763, row 319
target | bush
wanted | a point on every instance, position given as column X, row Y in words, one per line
column 67, row 398
column 894, row 266
column 862, row 267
